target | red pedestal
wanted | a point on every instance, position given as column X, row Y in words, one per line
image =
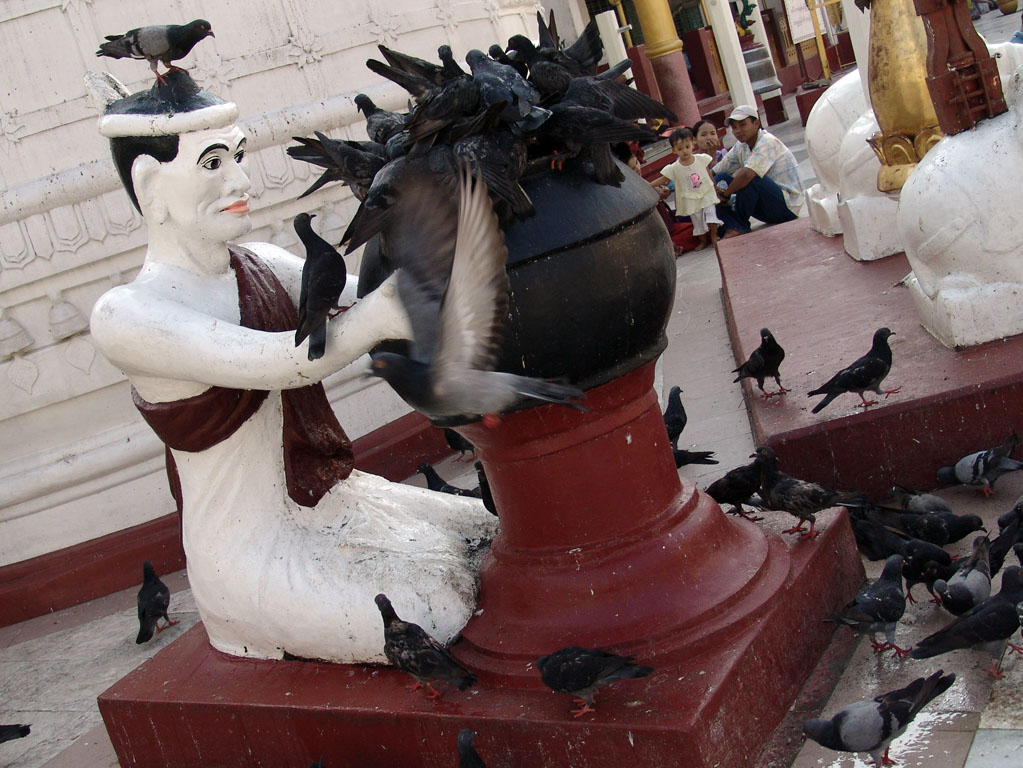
column 601, row 545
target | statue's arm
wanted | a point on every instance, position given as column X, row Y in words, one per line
column 148, row 334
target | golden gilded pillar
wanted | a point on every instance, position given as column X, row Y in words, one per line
column 898, row 91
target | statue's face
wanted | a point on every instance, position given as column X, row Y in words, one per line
column 205, row 189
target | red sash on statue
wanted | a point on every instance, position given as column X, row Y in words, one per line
column 317, row 453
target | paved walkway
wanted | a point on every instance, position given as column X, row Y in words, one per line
column 53, row 667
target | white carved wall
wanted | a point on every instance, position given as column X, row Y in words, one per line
column 76, row 462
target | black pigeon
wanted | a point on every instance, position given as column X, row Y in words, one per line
column 347, row 161
column 684, row 458
column 581, row 671
column 323, row 279
column 983, row 468
column 409, row 648
column 605, row 92
column 925, row 564
column 450, row 373
column 576, row 129
column 432, row 73
column 581, row 57
column 11, row 732
column 468, row 757
column 437, row 483
column 1010, row 532
column 458, row 443
column 983, row 627
column 801, row 498
column 501, row 83
column 878, row 607
column 870, row 726
column 485, row 493
column 874, row 540
column 500, row 158
column 675, row 418
column 157, row 43
column 970, row 585
column 381, row 125
column 866, row 373
column 915, row 501
column 763, row 361
column 736, row 487
column 925, row 527
column 497, row 53
column 549, row 77
column 153, row 602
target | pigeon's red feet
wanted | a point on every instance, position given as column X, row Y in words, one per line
column 891, row 391
column 935, row 599
column 583, row 709
column 1013, row 648
column 794, row 529
column 986, row 490
column 995, row 672
column 491, row 420
column 557, row 163
column 909, row 597
column 810, row 535
column 900, row 653
column 433, row 694
column 885, row 760
column 866, row 403
column 746, row 515
column 879, row 647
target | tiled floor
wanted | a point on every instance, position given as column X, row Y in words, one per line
column 53, row 667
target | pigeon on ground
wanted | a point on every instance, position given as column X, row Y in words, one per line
column 409, row 648
column 917, row 502
column 797, row 497
column 925, row 564
column 381, row 125
column 685, row 458
column 983, row 468
column 153, row 602
column 1010, row 532
column 349, row 162
column 970, row 585
column 874, row 540
column 983, row 627
column 450, row 373
column 675, row 418
column 736, row 487
column 878, row 607
column 763, row 361
column 458, row 443
column 323, row 279
column 157, row 43
column 437, row 483
column 870, row 726
column 866, row 373
column 581, row 671
column 939, row 528
column 485, row 494
column 11, row 732
column 468, row 757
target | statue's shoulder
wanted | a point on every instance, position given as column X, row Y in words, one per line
column 273, row 255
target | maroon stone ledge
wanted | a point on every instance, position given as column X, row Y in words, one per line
column 191, row 706
column 823, row 307
column 110, row 563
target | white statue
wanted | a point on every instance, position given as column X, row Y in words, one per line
column 963, row 231
column 282, row 555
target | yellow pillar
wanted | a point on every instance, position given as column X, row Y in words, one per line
column 664, row 50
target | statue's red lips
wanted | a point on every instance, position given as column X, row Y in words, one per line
column 241, row 206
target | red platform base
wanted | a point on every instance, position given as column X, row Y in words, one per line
column 190, row 706
column 823, row 307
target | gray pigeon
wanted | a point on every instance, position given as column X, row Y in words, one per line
column 878, row 607
column 411, row 649
column 983, row 468
column 450, row 373
column 971, row 583
column 917, row 502
column 501, row 83
column 323, row 279
column 870, row 726
column 381, row 125
column 157, row 43
column 153, row 602
column 983, row 627
column 468, row 757
column 581, row 671
column 864, row 374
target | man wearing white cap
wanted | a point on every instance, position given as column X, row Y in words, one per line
column 761, row 172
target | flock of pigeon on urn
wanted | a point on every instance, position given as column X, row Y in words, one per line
column 435, row 185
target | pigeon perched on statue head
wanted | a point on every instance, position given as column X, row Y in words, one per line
column 870, row 726
column 763, row 361
column 864, row 374
column 157, row 43
column 451, row 371
column 983, row 468
column 878, row 607
column 153, row 602
column 411, row 649
column 581, row 671
column 324, row 276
